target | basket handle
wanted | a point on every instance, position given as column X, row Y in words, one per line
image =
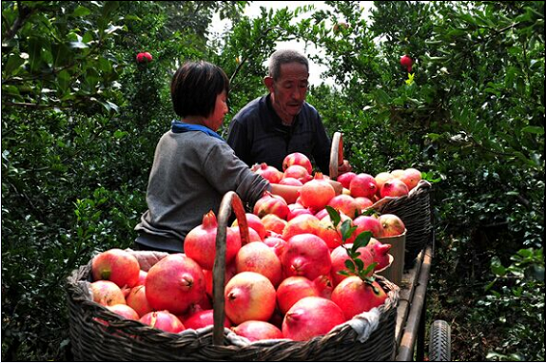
column 230, row 202
column 336, row 154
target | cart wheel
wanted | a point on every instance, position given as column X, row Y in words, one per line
column 440, row 342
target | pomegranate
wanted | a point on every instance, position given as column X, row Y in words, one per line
column 391, row 225
column 363, row 203
column 380, row 253
column 292, row 289
column 394, row 188
column 406, row 62
column 345, row 179
column 253, row 236
column 296, row 210
column 368, row 223
column 124, row 311
column 144, row 57
column 411, row 177
column 355, row 296
column 258, row 257
column 202, row 319
column 382, row 177
column 363, row 185
column 311, row 316
column 324, row 285
column 141, row 277
column 339, row 256
column 330, row 235
column 273, row 223
column 297, row 159
column 200, row 242
column 174, row 283
column 268, row 172
column 304, row 223
column 229, row 273
column 255, row 330
column 249, row 296
column 277, row 244
column 117, row 266
column 316, row 193
column 297, row 172
column 255, row 223
column 106, row 293
column 163, row 320
column 271, row 204
column 138, row 301
column 345, row 204
column 291, row 181
column 306, row 255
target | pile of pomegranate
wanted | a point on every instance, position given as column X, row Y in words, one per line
column 291, row 281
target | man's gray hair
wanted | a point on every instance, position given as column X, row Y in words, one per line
column 285, row 56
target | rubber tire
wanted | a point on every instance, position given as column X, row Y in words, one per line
column 440, row 342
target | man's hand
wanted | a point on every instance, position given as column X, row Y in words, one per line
column 344, row 168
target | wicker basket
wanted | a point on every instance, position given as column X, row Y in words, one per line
column 414, row 210
column 367, row 337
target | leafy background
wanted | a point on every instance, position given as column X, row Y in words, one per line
column 80, row 121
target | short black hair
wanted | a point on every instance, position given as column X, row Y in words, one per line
column 195, row 86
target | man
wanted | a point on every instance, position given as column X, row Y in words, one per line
column 270, row 127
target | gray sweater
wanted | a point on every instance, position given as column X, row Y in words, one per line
column 190, row 174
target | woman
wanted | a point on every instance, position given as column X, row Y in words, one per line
column 193, row 166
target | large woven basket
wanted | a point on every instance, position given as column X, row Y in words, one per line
column 414, row 210
column 369, row 336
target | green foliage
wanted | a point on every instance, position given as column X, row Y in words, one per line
column 80, row 121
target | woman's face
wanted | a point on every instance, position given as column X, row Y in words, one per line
column 220, row 110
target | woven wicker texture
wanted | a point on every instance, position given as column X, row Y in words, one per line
column 414, row 210
column 115, row 339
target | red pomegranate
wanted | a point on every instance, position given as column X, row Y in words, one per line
column 174, row 283
column 297, row 172
column 163, row 320
column 306, row 255
column 367, row 223
column 271, row 204
column 268, row 172
column 116, row 265
column 144, row 57
column 391, row 225
column 230, row 272
column 249, row 296
column 258, row 257
column 255, row 223
column 297, row 159
column 355, row 296
column 293, row 289
column 138, row 301
column 382, row 177
column 339, row 256
column 200, row 242
column 345, row 179
column 124, row 311
column 406, row 62
column 380, row 253
column 255, row 330
column 345, row 204
column 304, row 223
column 363, row 185
column 202, row 319
column 273, row 223
column 316, row 193
column 311, row 316
column 393, row 188
column 411, row 177
column 277, row 244
column 291, row 181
